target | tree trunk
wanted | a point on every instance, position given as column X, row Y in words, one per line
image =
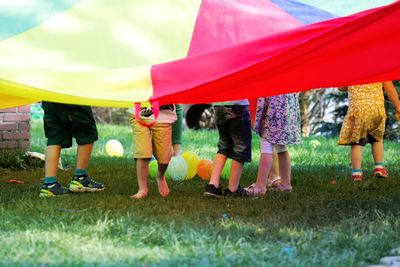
column 304, row 113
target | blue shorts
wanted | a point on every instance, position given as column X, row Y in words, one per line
column 234, row 127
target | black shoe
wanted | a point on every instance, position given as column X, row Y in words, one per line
column 240, row 192
column 83, row 183
column 212, row 191
column 51, row 190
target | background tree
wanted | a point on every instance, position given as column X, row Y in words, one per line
column 110, row 115
column 392, row 124
column 322, row 112
column 314, row 108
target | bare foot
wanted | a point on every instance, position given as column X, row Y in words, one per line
column 163, row 187
column 139, row 195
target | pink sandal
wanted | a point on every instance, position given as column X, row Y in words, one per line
column 255, row 191
column 273, row 182
column 281, row 188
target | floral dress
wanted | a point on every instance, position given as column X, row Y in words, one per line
column 278, row 119
column 366, row 115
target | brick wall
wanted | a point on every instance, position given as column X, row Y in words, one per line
column 14, row 128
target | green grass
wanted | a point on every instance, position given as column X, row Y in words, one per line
column 319, row 224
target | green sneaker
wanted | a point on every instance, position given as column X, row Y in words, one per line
column 52, row 190
column 83, row 183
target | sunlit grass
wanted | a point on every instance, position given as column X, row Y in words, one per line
column 319, row 224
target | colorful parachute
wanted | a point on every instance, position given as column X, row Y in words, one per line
column 114, row 53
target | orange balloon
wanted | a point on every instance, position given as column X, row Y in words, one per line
column 204, row 168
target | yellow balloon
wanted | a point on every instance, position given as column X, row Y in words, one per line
column 192, row 160
column 114, row 148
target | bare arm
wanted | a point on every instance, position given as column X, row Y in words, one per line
column 392, row 95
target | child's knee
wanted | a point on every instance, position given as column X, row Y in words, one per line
column 266, row 147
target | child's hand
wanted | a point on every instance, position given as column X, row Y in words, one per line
column 398, row 116
column 397, row 108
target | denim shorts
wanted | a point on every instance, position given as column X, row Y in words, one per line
column 234, row 127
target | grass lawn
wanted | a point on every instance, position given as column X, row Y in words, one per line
column 319, row 224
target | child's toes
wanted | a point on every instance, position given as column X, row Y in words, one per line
column 139, row 195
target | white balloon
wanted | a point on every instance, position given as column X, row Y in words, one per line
column 177, row 168
column 114, row 148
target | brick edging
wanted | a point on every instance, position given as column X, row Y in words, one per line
column 15, row 128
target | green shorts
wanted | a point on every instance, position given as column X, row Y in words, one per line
column 62, row 122
column 177, row 126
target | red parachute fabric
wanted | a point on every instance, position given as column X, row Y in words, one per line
column 221, row 24
column 357, row 49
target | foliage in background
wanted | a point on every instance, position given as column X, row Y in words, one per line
column 338, row 101
column 339, row 105
column 16, row 160
column 37, row 111
column 207, row 119
column 110, row 115
column 313, row 110
column 322, row 112
column 392, row 131
column 102, row 115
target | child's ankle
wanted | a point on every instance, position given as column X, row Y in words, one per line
column 48, row 180
column 80, row 172
column 378, row 165
column 261, row 184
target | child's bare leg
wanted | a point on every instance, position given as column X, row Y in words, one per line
column 52, row 157
column 264, row 167
column 285, row 169
column 142, row 170
column 356, row 162
column 356, row 157
column 218, row 165
column 176, row 150
column 235, row 173
column 274, row 172
column 162, row 183
column 83, row 156
column 377, row 151
column 379, row 167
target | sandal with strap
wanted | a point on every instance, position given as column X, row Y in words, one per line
column 255, row 191
column 273, row 182
column 281, row 188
